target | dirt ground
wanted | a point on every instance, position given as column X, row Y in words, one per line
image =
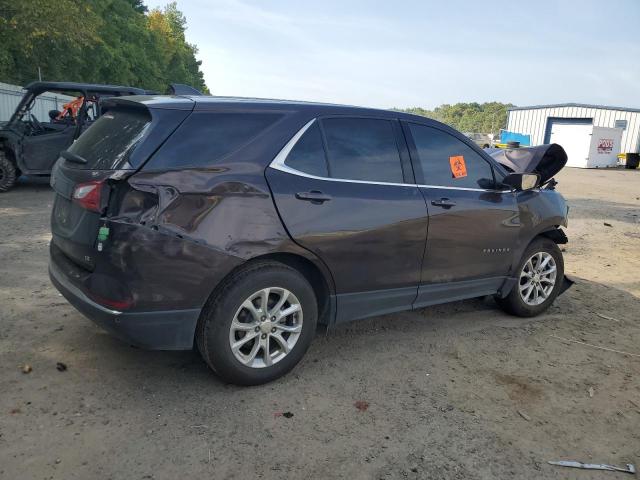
column 459, row 391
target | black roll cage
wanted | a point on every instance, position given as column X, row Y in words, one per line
column 87, row 90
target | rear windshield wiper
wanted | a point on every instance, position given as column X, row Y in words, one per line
column 72, row 157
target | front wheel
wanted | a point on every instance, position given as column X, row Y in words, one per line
column 540, row 277
column 259, row 324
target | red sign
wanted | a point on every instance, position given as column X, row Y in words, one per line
column 605, row 145
column 458, row 167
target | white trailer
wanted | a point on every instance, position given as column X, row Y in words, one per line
column 588, row 146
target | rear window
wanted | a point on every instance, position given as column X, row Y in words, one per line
column 107, row 144
column 205, row 138
column 362, row 149
column 308, row 153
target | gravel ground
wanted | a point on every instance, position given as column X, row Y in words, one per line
column 454, row 391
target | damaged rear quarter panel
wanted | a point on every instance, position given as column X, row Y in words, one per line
column 178, row 233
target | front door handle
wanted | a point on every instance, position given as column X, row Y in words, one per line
column 314, row 196
column 444, row 203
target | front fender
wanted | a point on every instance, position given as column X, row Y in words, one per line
column 540, row 211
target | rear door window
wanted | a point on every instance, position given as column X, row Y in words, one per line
column 307, row 155
column 447, row 161
column 107, row 144
column 207, row 137
column 362, row 149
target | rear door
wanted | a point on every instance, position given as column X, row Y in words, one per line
column 345, row 191
column 472, row 225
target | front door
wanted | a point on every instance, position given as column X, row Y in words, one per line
column 472, row 225
column 343, row 194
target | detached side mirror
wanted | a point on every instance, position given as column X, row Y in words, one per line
column 522, row 181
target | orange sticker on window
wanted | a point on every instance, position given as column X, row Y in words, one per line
column 458, row 167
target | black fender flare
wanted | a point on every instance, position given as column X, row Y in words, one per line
column 555, row 234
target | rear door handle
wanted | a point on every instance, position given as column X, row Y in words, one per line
column 314, row 196
column 444, row 203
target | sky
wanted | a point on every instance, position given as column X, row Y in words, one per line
column 419, row 53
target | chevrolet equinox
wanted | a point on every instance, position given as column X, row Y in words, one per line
column 240, row 225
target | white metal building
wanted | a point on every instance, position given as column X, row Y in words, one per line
column 10, row 96
column 538, row 121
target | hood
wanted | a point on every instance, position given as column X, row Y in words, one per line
column 545, row 160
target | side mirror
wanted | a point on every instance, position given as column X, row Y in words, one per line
column 522, row 181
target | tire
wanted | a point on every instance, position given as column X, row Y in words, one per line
column 228, row 317
column 515, row 303
column 8, row 173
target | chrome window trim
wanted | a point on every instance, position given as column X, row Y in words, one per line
column 278, row 163
column 464, row 188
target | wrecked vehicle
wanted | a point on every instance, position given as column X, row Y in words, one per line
column 30, row 146
column 242, row 224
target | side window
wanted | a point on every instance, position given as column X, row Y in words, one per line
column 362, row 149
column 307, row 155
column 448, row 162
column 206, row 137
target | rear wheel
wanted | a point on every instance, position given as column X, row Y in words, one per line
column 259, row 324
column 8, row 173
column 540, row 277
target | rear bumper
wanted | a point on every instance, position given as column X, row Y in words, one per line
column 157, row 330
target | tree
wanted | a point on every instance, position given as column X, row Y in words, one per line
column 45, row 34
column 468, row 117
column 168, row 27
column 100, row 41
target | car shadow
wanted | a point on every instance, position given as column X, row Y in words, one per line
column 352, row 345
column 26, row 186
column 25, row 181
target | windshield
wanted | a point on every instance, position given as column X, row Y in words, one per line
column 108, row 143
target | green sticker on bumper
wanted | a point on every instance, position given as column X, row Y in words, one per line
column 103, row 233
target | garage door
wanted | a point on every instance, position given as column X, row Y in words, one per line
column 574, row 136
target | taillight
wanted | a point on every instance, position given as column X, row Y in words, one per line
column 88, row 195
column 115, row 304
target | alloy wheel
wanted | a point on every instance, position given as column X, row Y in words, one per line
column 537, row 278
column 266, row 327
